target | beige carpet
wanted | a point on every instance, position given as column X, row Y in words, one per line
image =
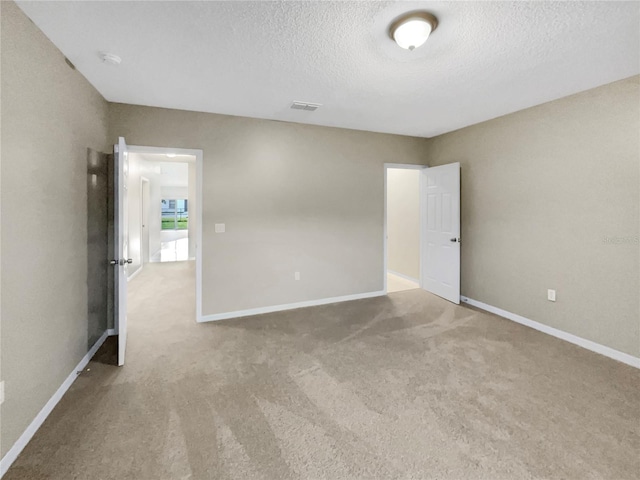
column 406, row 386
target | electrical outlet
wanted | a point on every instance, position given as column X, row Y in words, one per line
column 219, row 228
column 551, row 295
column 296, row 275
column 1, row 392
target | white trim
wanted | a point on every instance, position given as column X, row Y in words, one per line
column 165, row 150
column 35, row 424
column 406, row 277
column 288, row 306
column 111, row 332
column 423, row 230
column 406, row 166
column 198, row 245
column 199, row 154
column 385, row 260
column 134, row 274
column 554, row 332
column 154, row 255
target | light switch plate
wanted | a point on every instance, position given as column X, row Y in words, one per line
column 296, row 276
column 1, row 392
column 220, row 227
column 551, row 295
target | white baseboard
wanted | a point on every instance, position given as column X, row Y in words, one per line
column 569, row 337
column 33, row 427
column 157, row 252
column 134, row 274
column 402, row 275
column 111, row 332
column 288, row 306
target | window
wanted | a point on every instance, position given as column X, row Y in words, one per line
column 175, row 214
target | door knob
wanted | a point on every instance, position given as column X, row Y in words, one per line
column 455, row 240
column 113, row 262
column 129, row 260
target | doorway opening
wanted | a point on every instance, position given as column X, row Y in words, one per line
column 402, row 227
column 174, row 234
column 157, row 231
column 161, row 193
column 422, row 229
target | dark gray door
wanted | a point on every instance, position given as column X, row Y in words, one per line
column 98, row 286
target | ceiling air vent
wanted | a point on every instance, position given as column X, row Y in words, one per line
column 305, row 106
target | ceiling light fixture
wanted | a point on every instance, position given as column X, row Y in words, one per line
column 312, row 107
column 110, row 58
column 171, row 155
column 412, row 30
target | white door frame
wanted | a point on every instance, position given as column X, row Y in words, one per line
column 406, row 166
column 121, row 258
column 198, row 242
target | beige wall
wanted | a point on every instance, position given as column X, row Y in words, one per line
column 50, row 116
column 541, row 191
column 293, row 198
column 403, row 222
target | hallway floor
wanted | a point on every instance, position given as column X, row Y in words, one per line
column 403, row 386
column 174, row 246
column 396, row 283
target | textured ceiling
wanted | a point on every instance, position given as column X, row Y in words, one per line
column 253, row 59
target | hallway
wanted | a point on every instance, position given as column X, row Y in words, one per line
column 174, row 246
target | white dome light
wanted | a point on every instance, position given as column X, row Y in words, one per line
column 412, row 30
column 110, row 58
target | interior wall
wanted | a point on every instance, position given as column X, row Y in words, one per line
column 293, row 197
column 550, row 200
column 145, row 216
column 155, row 213
column 138, row 168
column 174, row 192
column 50, row 116
column 403, row 222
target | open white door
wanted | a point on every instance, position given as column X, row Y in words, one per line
column 441, row 235
column 121, row 237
